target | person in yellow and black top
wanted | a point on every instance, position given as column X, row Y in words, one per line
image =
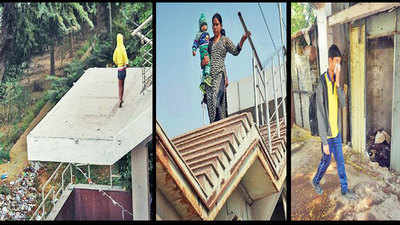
column 121, row 60
column 329, row 97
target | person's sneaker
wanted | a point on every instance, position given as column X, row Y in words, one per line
column 317, row 188
column 350, row 195
column 120, row 103
column 207, row 80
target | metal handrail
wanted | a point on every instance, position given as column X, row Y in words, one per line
column 276, row 70
column 51, row 178
column 148, row 41
column 42, row 205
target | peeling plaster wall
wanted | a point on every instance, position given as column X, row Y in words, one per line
column 379, row 83
column 235, row 205
column 164, row 209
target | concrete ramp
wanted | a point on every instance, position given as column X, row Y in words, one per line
column 87, row 126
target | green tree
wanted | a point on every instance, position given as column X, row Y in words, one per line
column 126, row 17
column 58, row 21
column 302, row 16
column 31, row 28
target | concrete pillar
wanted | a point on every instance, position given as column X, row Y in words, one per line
column 395, row 140
column 324, row 40
column 284, row 193
column 140, row 183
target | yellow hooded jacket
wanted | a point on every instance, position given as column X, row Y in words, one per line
column 119, row 57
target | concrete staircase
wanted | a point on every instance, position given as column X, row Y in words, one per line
column 215, row 151
column 278, row 144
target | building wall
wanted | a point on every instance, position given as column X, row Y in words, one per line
column 304, row 77
column 303, row 82
column 357, row 87
column 340, row 37
column 165, row 211
column 235, row 205
column 379, row 83
column 90, row 204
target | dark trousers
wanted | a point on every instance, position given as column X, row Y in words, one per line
column 335, row 148
column 221, row 108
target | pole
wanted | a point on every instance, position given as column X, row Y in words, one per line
column 251, row 42
column 275, row 100
column 280, row 20
column 280, row 68
column 109, row 18
column 255, row 91
column 267, row 110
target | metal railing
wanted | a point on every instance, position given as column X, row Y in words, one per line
column 262, row 83
column 57, row 185
column 146, row 39
column 266, row 90
column 54, row 184
column 267, row 79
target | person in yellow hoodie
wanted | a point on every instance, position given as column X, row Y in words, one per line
column 121, row 60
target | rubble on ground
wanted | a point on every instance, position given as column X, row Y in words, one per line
column 19, row 198
column 377, row 188
column 379, row 147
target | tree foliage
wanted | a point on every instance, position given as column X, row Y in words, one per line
column 36, row 26
column 302, row 16
column 130, row 16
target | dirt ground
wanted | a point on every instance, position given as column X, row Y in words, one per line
column 40, row 65
column 377, row 188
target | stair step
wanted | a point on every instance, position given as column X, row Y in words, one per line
column 210, row 137
column 210, row 166
column 244, row 118
column 209, row 175
column 222, row 149
column 217, row 156
column 211, row 142
column 233, row 125
column 199, row 137
column 205, row 183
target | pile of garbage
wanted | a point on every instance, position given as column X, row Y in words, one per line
column 18, row 198
column 379, row 147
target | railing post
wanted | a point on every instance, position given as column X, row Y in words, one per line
column 275, row 99
column 88, row 167
column 280, row 84
column 53, row 199
column 284, row 83
column 255, row 91
column 43, row 209
column 261, row 101
column 62, row 181
column 283, row 63
column 111, row 175
column 267, row 109
column 70, row 169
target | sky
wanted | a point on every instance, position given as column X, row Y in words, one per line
column 178, row 72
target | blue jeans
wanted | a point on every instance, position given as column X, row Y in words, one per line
column 335, row 148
